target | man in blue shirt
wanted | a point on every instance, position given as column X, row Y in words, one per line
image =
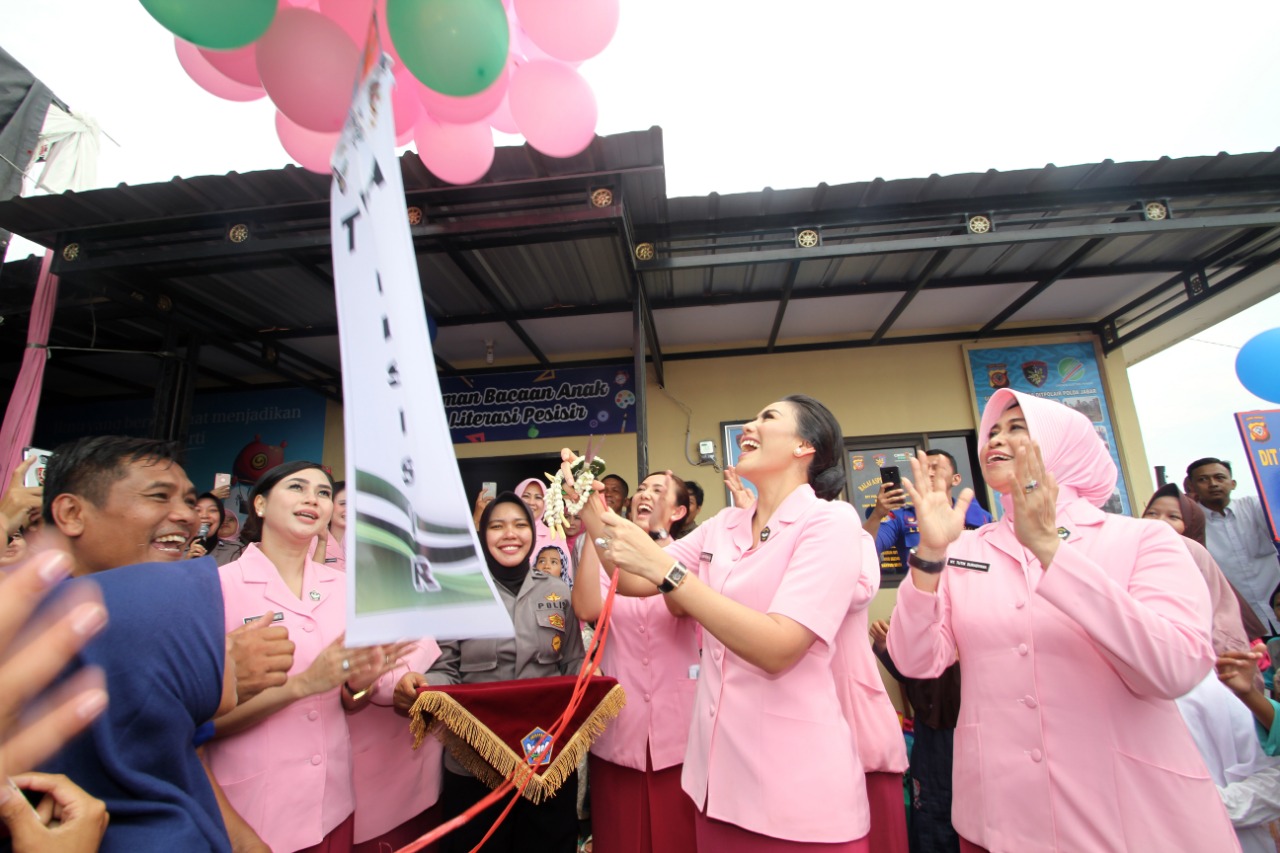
column 893, row 522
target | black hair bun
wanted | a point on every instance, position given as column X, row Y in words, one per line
column 829, row 483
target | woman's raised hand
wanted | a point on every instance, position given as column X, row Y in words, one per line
column 1035, row 498
column 939, row 521
column 742, row 496
column 632, row 549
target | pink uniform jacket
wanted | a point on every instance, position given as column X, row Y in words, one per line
column 1068, row 737
column 866, row 703
column 393, row 782
column 651, row 653
column 289, row 776
column 774, row 754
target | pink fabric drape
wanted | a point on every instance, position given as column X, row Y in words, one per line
column 20, row 417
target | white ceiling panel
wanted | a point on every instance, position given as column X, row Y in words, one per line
column 950, row 307
column 835, row 316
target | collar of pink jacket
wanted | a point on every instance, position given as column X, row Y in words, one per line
column 1072, row 450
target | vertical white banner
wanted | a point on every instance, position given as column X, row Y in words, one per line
column 414, row 565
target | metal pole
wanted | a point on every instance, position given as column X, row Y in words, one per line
column 639, row 370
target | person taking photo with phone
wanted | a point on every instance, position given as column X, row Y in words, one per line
column 893, row 521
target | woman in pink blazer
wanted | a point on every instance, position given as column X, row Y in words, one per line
column 284, row 757
column 1076, row 631
column 635, row 765
column 772, row 764
column 397, row 787
column 877, row 731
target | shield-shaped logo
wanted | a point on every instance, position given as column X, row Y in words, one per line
column 998, row 376
column 879, row 459
column 859, row 463
column 1258, row 431
column 1036, row 372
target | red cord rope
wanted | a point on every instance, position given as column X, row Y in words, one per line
column 590, row 664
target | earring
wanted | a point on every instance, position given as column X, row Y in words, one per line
column 797, row 451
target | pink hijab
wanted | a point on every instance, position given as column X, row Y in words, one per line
column 1072, row 450
column 541, row 533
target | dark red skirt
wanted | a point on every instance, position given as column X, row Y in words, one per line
column 716, row 835
column 405, row 834
column 970, row 847
column 339, row 840
column 888, row 813
column 634, row 811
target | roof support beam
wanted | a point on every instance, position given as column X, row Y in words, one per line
column 1036, row 202
column 213, row 337
column 1220, row 254
column 964, row 241
column 651, row 333
column 925, row 274
column 787, row 287
column 1077, row 257
column 1113, row 339
column 482, row 287
column 98, row 375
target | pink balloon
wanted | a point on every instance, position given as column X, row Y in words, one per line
column 572, row 30
column 405, row 138
column 523, row 48
column 300, row 4
column 312, row 150
column 554, row 107
column 404, row 101
column 351, row 15
column 501, row 118
column 456, row 153
column 240, row 64
column 211, row 79
column 309, row 68
column 465, row 110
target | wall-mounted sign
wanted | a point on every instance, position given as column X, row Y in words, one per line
column 540, row 403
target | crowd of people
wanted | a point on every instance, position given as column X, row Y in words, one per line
column 1116, row 689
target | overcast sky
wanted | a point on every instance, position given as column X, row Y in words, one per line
column 752, row 94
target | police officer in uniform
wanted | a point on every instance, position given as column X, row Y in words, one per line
column 547, row 642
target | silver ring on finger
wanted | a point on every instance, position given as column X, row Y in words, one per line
column 601, row 542
column 1031, row 486
column 386, row 659
column 346, row 665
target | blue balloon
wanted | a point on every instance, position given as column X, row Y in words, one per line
column 1258, row 365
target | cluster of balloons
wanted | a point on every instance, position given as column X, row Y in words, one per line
column 464, row 68
column 1258, row 365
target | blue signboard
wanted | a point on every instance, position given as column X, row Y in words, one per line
column 241, row 433
column 539, row 403
column 1065, row 372
column 1260, row 432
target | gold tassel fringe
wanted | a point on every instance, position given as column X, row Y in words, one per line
column 489, row 759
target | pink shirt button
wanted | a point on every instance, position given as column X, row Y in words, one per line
column 1029, row 701
column 640, row 628
column 717, row 654
column 308, row 626
column 315, row 759
column 313, row 715
column 1036, row 755
column 1020, row 604
column 644, row 661
column 647, row 697
column 1022, row 649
